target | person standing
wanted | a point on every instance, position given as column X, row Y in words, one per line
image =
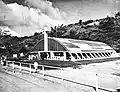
column 36, row 66
column 1, row 61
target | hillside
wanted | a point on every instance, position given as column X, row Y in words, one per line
column 105, row 30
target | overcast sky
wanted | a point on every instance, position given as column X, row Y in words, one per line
column 88, row 9
column 26, row 20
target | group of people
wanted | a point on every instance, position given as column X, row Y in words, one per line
column 4, row 63
column 3, row 60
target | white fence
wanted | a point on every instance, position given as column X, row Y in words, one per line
column 59, row 73
column 42, row 69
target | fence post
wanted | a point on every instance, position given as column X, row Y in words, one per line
column 6, row 65
column 20, row 67
column 13, row 65
column 62, row 74
column 96, row 82
column 43, row 70
column 30, row 67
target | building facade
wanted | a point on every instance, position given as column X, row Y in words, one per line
column 71, row 50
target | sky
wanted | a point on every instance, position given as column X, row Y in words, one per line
column 34, row 15
column 87, row 9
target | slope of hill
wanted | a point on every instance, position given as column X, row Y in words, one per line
column 105, row 30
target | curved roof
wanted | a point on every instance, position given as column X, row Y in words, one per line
column 73, row 45
column 82, row 45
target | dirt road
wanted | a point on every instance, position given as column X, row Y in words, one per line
column 20, row 82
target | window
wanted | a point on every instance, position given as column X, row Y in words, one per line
column 58, row 54
column 101, row 55
column 93, row 55
column 84, row 55
column 74, row 55
column 97, row 54
column 80, row 55
column 88, row 54
column 68, row 56
column 107, row 54
column 104, row 54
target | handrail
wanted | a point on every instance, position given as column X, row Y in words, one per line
column 61, row 74
column 40, row 65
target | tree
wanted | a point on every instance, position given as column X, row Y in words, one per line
column 80, row 22
column 88, row 22
column 117, row 15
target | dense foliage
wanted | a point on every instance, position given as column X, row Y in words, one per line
column 105, row 30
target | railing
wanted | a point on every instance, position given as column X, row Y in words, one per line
column 41, row 68
column 30, row 67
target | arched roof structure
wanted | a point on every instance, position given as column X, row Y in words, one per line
column 74, row 50
column 73, row 45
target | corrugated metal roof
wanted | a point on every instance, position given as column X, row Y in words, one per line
column 82, row 45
